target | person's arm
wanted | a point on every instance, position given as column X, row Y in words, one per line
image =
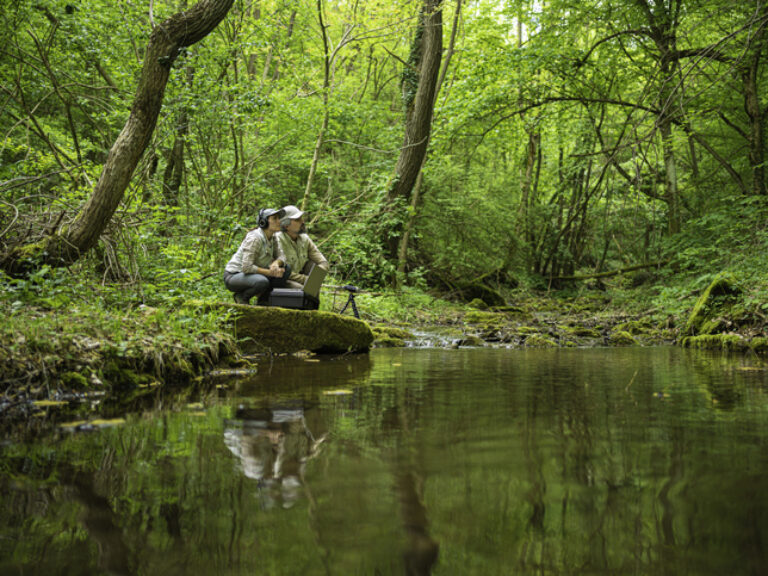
column 250, row 252
column 278, row 253
column 314, row 255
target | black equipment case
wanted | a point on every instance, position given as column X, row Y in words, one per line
column 293, row 298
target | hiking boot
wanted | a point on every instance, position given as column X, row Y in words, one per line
column 239, row 299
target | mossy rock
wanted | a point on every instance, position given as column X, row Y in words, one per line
column 523, row 330
column 634, row 327
column 622, row 338
column 261, row 329
column 721, row 291
column 479, row 304
column 759, row 344
column 581, row 331
column 385, row 341
column 716, row 342
column 470, row 340
column 392, row 332
column 482, row 317
column 539, row 341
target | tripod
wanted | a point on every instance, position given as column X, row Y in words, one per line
column 351, row 300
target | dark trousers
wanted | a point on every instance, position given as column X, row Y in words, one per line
column 250, row 285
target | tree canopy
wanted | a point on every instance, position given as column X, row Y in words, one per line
column 566, row 139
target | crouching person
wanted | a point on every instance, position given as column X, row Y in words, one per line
column 297, row 247
column 256, row 268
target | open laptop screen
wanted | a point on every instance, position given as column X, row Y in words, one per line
column 314, row 281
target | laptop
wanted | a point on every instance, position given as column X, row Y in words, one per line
column 314, row 281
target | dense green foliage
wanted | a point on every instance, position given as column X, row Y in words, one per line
column 572, row 138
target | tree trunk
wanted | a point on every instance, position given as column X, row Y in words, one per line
column 326, row 112
column 174, row 170
column 663, row 21
column 419, row 89
column 752, row 107
column 180, row 30
column 402, row 249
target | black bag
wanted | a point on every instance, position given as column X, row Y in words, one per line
column 293, row 298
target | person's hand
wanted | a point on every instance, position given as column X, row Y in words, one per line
column 275, row 269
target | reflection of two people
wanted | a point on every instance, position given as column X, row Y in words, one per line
column 274, row 446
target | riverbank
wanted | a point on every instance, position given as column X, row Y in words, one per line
column 586, row 320
column 86, row 351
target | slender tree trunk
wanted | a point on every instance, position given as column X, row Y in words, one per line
column 420, row 81
column 670, row 177
column 756, row 119
column 180, row 30
column 663, row 20
column 324, row 125
column 402, row 249
column 174, row 170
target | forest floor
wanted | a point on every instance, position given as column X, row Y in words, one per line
column 81, row 357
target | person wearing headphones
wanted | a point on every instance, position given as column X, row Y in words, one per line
column 297, row 248
column 257, row 266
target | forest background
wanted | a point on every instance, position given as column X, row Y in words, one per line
column 439, row 147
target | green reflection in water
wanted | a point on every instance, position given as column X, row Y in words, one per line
column 629, row 461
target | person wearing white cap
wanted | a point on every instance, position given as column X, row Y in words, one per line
column 257, row 267
column 297, row 247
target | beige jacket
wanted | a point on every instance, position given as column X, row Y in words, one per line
column 298, row 253
column 256, row 251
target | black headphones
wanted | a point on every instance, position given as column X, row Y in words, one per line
column 263, row 222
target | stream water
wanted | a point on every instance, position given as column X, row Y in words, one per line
column 413, row 461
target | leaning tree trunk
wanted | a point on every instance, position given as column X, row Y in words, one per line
column 419, row 85
column 180, row 30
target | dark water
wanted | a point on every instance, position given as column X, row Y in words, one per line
column 615, row 461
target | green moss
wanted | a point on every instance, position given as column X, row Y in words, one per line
column 119, row 377
column 715, row 342
column 393, row 332
column 634, row 327
column 74, row 381
column 759, row 344
column 710, row 326
column 717, row 296
column 278, row 330
column 479, row 304
column 539, row 341
column 385, row 341
column 622, row 338
column 482, row 317
column 526, row 330
column 390, row 337
column 581, row 331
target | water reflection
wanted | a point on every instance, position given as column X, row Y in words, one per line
column 638, row 461
column 273, row 444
